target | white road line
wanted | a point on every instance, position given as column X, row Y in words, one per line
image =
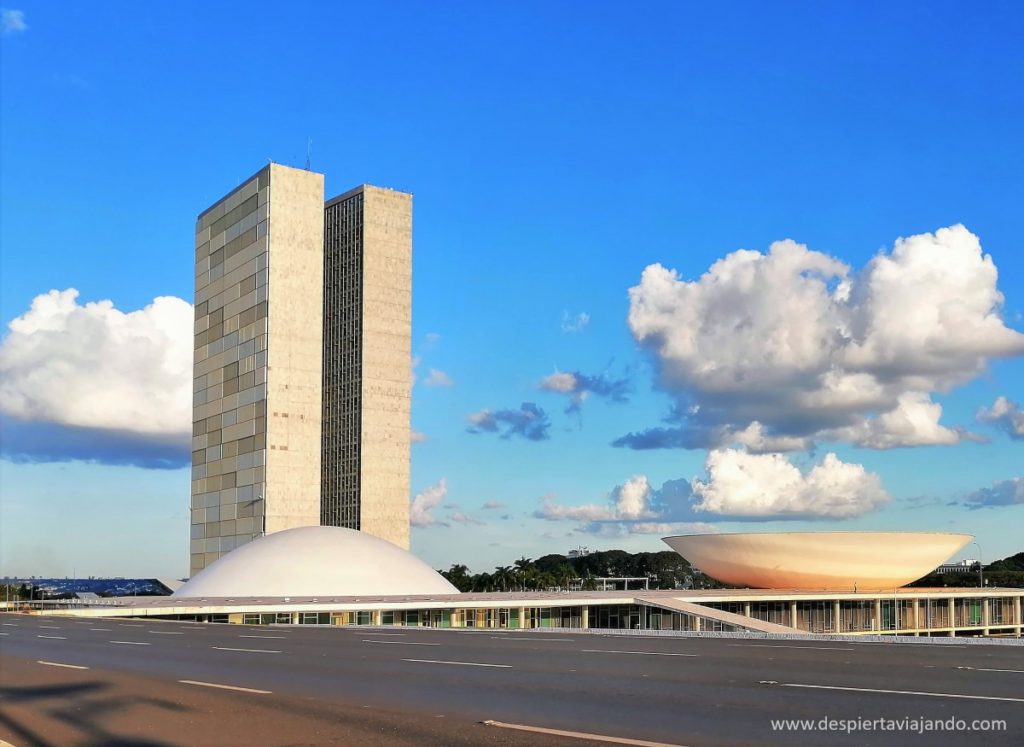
column 982, row 669
column 49, row 627
column 380, row 634
column 55, row 637
column 104, row 630
column 56, row 664
column 4, row 633
column 10, row 625
column 164, row 632
column 402, row 643
column 130, row 643
column 262, row 636
column 131, row 625
column 531, row 638
column 902, row 692
column 580, row 735
column 642, row 653
column 459, row 663
column 779, row 645
column 226, row 687
column 247, row 650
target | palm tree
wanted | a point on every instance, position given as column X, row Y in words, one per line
column 458, row 576
column 564, row 575
column 504, row 577
column 525, row 571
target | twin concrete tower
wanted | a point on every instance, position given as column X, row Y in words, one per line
column 302, row 366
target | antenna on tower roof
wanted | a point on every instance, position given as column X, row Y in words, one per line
column 309, row 151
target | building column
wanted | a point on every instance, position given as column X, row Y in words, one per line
column 375, row 617
column 453, row 618
column 295, row 618
column 697, row 624
column 837, row 611
column 986, row 620
column 878, row 615
column 523, row 621
column 792, row 615
column 917, row 616
column 746, row 609
column 952, row 616
column 1016, row 614
column 585, row 617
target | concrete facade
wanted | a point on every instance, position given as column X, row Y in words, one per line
column 256, row 366
column 278, row 323
column 367, row 362
column 294, row 365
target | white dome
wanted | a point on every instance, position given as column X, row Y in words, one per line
column 316, row 562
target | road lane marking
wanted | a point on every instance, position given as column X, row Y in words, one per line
column 164, row 632
column 579, row 735
column 262, row 636
column 779, row 645
column 983, row 669
column 49, row 627
column 57, row 664
column 104, row 630
column 401, row 643
column 641, row 653
column 131, row 625
column 226, row 687
column 380, row 634
column 130, row 643
column 460, row 663
column 10, row 625
column 4, row 633
column 247, row 650
column 531, row 638
column 55, row 637
column 903, row 692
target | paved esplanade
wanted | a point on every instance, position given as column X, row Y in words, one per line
column 692, row 691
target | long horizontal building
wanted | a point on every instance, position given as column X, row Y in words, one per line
column 915, row 612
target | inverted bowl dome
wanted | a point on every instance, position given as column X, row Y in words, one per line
column 316, row 562
column 818, row 560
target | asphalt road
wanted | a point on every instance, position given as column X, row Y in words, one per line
column 421, row 686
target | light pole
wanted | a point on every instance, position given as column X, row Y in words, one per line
column 981, row 577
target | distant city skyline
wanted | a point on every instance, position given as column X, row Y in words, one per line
column 694, row 269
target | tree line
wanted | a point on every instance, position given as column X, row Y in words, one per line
column 1006, row 573
column 664, row 570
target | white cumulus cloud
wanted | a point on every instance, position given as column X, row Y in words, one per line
column 632, row 499
column 799, row 343
column 1006, row 415
column 560, row 381
column 551, row 510
column 438, row 378
column 422, row 506
column 768, row 485
column 94, row 366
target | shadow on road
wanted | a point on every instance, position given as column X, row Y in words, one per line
column 85, row 708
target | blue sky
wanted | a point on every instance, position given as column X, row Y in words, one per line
column 554, row 154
